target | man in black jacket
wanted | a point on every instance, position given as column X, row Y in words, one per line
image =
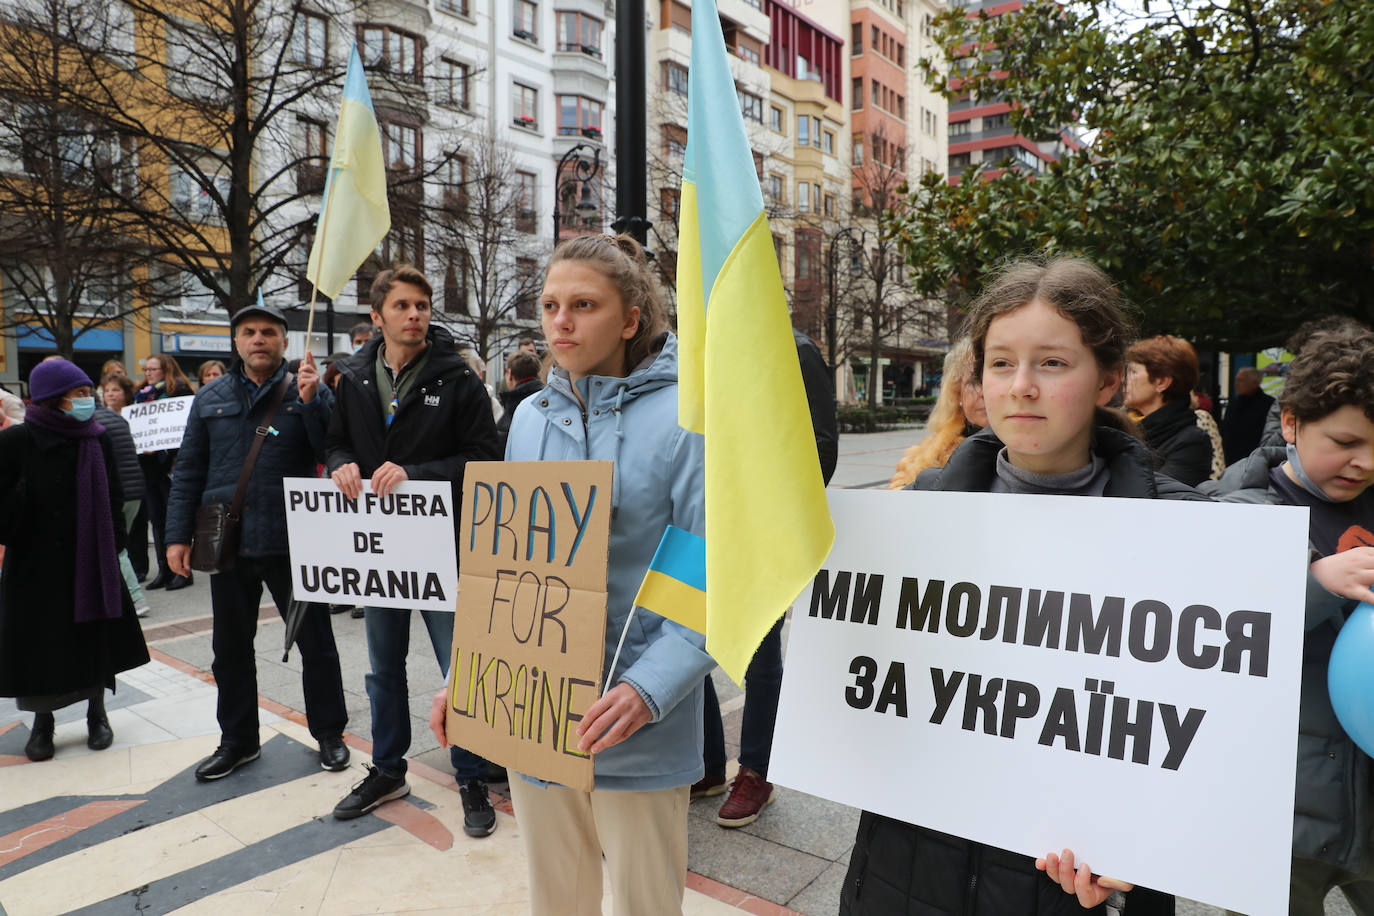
column 408, row 408
column 522, row 380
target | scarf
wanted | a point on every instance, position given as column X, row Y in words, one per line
column 97, row 559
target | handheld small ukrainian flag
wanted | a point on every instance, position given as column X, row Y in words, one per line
column 354, row 216
column 675, row 585
column 768, row 526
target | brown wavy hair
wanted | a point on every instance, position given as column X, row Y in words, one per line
column 1334, row 368
column 946, row 426
column 1168, row 357
column 175, row 380
column 624, row 263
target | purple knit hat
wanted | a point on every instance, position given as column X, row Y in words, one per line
column 54, row 377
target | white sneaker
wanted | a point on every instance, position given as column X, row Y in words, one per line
column 141, row 609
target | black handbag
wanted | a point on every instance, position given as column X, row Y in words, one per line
column 215, row 541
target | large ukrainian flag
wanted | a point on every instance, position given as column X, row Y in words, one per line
column 768, row 527
column 354, row 216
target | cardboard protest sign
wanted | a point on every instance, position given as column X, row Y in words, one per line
column 158, row 425
column 1115, row 676
column 383, row 551
column 529, row 638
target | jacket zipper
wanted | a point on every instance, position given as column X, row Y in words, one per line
column 975, row 863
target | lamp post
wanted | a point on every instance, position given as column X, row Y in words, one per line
column 830, row 312
column 583, row 171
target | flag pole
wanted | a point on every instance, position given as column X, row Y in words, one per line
column 314, row 288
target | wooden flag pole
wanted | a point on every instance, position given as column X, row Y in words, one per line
column 314, row 287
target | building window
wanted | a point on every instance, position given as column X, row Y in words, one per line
column 960, row 161
column 856, row 94
column 816, row 132
column 777, row 189
column 525, row 20
column 996, row 122
column 748, row 55
column 580, row 33
column 901, row 106
column 877, row 93
column 674, row 141
column 524, row 199
column 525, row 106
column 386, row 50
column 675, row 78
column 758, row 165
column 527, row 274
column 314, row 157
column 308, row 39
column 858, row 151
column 901, row 55
column 830, row 205
column 579, row 116
column 669, row 203
column 456, row 285
column 455, row 176
column 458, row 7
column 958, row 128
column 775, row 118
column 803, row 197
column 453, row 83
column 856, row 39
column 195, row 199
column 803, row 130
column 828, row 142
column 400, row 146
column 876, row 39
column 751, row 105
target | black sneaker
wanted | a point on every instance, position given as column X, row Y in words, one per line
column 333, row 753
column 224, row 761
column 376, row 789
column 479, row 818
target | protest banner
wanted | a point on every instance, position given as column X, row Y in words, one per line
column 529, row 638
column 158, row 425
column 383, row 551
column 1119, row 677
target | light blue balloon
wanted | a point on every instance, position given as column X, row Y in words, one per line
column 1350, row 677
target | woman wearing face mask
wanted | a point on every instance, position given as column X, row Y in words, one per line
column 67, row 624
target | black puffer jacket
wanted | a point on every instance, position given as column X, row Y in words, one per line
column 510, row 399
column 443, row 423
column 1182, row 449
column 900, row 868
column 1332, row 806
column 125, row 453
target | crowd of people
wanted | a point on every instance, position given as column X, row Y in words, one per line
column 1049, row 392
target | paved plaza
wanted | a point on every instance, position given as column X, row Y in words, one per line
column 129, row 829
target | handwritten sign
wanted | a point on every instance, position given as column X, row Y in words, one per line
column 529, row 638
column 1042, row 672
column 158, row 425
column 380, row 551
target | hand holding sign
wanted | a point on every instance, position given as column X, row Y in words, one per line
column 1090, row 889
column 348, row 480
column 387, row 477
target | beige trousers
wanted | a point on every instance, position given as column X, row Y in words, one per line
column 565, row 832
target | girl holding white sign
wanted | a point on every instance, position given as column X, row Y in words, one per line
column 613, row 396
column 1049, row 341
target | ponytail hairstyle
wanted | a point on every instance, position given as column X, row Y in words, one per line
column 624, row 263
column 1078, row 290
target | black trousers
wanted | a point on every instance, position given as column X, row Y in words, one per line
column 235, row 596
column 138, row 541
column 157, row 489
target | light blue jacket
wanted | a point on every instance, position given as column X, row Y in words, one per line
column 658, row 481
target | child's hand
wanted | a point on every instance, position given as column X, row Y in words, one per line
column 1349, row 573
column 1091, row 889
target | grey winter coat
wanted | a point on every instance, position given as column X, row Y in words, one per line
column 125, row 453
column 1331, row 818
column 219, row 432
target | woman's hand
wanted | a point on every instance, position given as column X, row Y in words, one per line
column 1091, row 889
column 1349, row 573
column 438, row 713
column 610, row 720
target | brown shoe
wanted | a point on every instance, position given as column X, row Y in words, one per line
column 750, row 793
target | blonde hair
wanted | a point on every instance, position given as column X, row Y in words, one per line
column 624, row 263
column 945, row 428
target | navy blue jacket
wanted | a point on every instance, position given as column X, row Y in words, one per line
column 219, row 432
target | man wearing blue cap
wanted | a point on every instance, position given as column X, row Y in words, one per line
column 223, row 422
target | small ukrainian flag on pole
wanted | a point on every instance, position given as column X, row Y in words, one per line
column 675, row 585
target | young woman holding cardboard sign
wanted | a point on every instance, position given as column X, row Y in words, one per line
column 1048, row 344
column 613, row 396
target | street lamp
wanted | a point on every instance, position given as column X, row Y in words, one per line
column 830, row 313
column 584, row 172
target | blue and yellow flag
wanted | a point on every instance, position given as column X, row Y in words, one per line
column 675, row 585
column 354, row 216
column 768, row 527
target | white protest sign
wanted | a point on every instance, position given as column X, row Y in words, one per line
column 158, row 425
column 381, row 551
column 1115, row 676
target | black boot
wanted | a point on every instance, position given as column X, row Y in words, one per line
column 161, row 579
column 39, row 745
column 99, row 735
column 180, row 582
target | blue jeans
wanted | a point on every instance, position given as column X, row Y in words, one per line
column 388, row 642
column 762, row 684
